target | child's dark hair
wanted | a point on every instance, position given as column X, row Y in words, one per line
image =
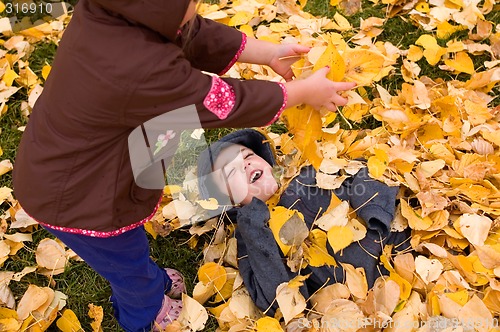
column 186, row 36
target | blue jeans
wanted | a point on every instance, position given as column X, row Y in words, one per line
column 138, row 283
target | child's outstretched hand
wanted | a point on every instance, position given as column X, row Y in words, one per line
column 317, row 91
column 283, row 58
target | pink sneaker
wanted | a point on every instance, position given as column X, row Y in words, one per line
column 178, row 287
column 170, row 311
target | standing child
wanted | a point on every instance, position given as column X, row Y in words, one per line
column 240, row 167
column 118, row 65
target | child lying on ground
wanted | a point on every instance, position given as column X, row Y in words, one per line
column 239, row 167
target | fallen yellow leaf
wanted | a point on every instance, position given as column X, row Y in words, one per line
column 339, row 237
column 97, row 315
column 462, row 63
column 9, row 77
column 317, row 253
column 267, row 324
column 332, row 58
column 240, row 18
column 212, row 272
column 69, row 322
column 362, row 66
column 432, row 51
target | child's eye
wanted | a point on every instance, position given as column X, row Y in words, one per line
column 248, row 155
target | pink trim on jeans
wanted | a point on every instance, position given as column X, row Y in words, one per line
column 221, row 98
column 92, row 233
column 283, row 106
column 237, row 55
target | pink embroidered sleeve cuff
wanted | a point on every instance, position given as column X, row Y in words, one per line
column 283, row 106
column 221, row 98
column 237, row 55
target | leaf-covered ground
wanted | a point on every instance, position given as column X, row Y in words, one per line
column 424, row 115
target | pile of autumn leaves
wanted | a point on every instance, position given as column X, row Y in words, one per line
column 438, row 140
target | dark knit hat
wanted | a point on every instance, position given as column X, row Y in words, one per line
column 250, row 138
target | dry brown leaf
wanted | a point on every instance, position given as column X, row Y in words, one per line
column 428, row 269
column 435, row 249
column 6, row 295
column 405, row 266
column 406, row 319
column 193, row 315
column 33, row 298
column 231, row 253
column 294, row 231
column 4, row 251
column 322, row 300
column 342, row 315
column 489, row 255
column 335, row 217
column 22, row 219
column 474, row 227
column 49, row 254
column 431, row 201
column 449, row 308
column 241, row 305
column 202, row 292
column 475, row 313
column 386, row 294
column 356, row 280
column 290, row 301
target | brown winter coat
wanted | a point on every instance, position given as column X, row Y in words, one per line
column 118, row 65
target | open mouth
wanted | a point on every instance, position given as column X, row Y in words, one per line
column 255, row 175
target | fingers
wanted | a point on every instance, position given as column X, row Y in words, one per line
column 343, row 86
column 324, row 71
column 298, row 49
column 288, row 76
column 339, row 100
column 339, row 86
column 331, row 107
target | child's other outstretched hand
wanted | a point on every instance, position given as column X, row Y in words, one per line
column 284, row 56
column 318, row 91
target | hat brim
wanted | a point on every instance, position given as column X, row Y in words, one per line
column 250, row 138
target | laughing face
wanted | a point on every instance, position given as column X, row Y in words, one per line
column 241, row 174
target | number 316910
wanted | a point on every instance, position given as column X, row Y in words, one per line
column 28, row 8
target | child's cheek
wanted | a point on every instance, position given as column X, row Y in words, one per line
column 239, row 187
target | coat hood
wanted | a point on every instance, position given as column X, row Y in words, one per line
column 164, row 17
column 250, row 138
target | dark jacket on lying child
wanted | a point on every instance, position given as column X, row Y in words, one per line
column 261, row 263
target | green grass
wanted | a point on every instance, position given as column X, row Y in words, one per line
column 79, row 282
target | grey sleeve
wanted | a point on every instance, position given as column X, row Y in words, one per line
column 260, row 262
column 374, row 200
